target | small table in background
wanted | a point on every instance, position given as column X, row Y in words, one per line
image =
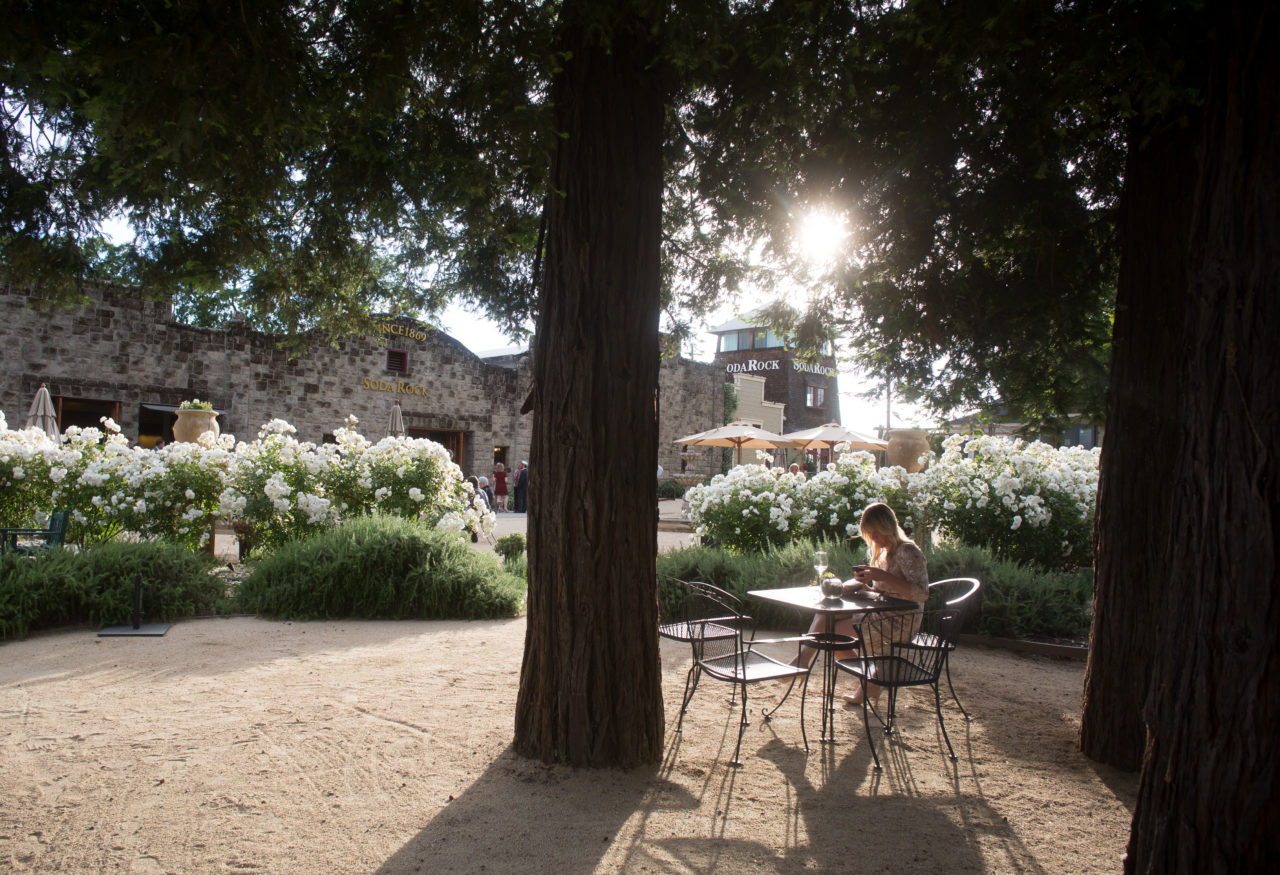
column 809, row 599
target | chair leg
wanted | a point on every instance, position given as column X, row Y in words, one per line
column 891, row 710
column 937, row 704
column 742, row 727
column 790, row 686
column 946, row 662
column 804, row 694
column 690, row 677
column 866, row 725
column 694, row 674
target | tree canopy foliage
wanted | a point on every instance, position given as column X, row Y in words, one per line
column 323, row 158
column 308, row 161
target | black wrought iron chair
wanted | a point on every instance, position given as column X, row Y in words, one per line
column 734, row 657
column 890, row 657
column 953, row 597
column 678, row 629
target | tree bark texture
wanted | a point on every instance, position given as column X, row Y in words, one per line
column 1133, row 567
column 1209, row 797
column 590, row 686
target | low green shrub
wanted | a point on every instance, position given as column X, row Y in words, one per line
column 1019, row 601
column 670, row 489
column 510, row 546
column 517, row 566
column 96, row 585
column 381, row 567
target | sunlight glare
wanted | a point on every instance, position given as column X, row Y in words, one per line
column 820, row 237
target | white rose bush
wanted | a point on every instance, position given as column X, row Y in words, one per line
column 831, row 502
column 1026, row 501
column 750, row 508
column 277, row 487
column 25, row 487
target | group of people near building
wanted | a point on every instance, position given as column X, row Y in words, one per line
column 515, row 487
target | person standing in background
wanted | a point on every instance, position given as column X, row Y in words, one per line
column 521, row 487
column 500, row 487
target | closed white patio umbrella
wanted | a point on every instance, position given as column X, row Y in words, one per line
column 395, row 424
column 43, row 414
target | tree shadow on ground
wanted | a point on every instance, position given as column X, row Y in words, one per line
column 860, row 819
column 525, row 816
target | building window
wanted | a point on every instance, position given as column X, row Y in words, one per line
column 398, row 361
column 814, row 396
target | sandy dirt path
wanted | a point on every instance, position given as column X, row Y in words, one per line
column 241, row 745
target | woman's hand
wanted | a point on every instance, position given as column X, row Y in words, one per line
column 865, row 574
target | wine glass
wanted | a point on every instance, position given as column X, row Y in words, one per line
column 819, row 563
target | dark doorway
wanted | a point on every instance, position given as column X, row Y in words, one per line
column 155, row 423
column 84, row 412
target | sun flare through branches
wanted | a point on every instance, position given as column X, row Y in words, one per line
column 820, row 237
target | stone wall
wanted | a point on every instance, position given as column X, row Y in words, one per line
column 127, row 352
column 691, row 399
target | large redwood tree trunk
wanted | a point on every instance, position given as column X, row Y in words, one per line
column 590, row 691
column 1133, row 549
column 1209, row 799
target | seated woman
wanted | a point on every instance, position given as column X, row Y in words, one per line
column 897, row 569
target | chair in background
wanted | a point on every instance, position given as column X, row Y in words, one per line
column 890, row 657
column 679, row 630
column 721, row 651
column 952, row 597
column 44, row 539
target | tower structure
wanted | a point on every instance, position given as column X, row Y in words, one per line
column 809, row 390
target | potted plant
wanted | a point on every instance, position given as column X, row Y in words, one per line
column 195, row 417
column 906, row 446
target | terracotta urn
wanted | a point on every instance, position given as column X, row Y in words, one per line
column 193, row 423
column 906, row 446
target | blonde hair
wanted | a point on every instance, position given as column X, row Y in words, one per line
column 499, row 467
column 881, row 519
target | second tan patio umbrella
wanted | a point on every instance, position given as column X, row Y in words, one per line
column 830, row 435
column 737, row 434
column 43, row 414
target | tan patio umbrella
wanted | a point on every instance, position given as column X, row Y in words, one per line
column 395, row 425
column 43, row 415
column 737, row 434
column 829, row 435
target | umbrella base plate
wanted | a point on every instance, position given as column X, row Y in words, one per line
column 146, row 630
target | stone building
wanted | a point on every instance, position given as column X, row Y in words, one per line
column 125, row 357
